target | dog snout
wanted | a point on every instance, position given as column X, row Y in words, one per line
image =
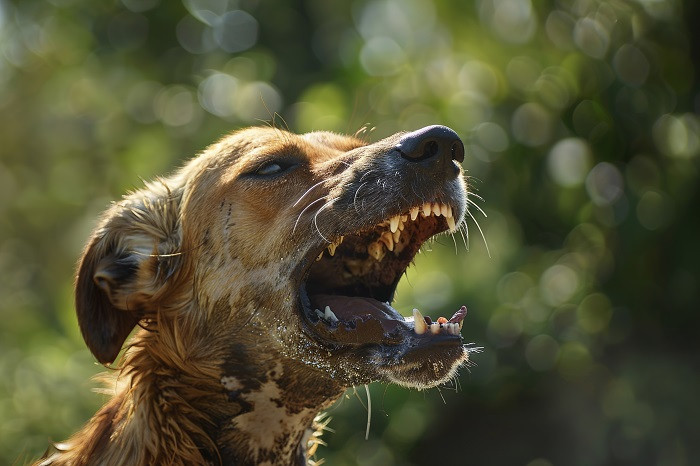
column 433, row 144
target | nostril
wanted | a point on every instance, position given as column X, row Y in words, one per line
column 457, row 151
column 430, row 149
column 431, row 143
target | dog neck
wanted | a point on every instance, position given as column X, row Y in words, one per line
column 253, row 409
column 274, row 412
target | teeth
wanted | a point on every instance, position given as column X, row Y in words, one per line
column 397, row 224
column 388, row 240
column 319, row 256
column 333, row 246
column 444, row 210
column 394, row 223
column 376, row 250
column 331, row 249
column 419, row 324
column 328, row 314
column 434, row 328
column 320, row 314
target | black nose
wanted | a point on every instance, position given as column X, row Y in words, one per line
column 431, row 142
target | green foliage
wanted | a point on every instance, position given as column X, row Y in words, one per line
column 580, row 121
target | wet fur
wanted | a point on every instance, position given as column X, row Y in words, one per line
column 222, row 371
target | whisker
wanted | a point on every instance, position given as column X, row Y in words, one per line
column 357, row 395
column 461, row 232
column 472, row 193
column 369, row 412
column 441, row 396
column 323, row 207
column 354, row 200
column 365, row 174
column 302, row 212
column 454, row 241
column 482, row 233
column 477, row 207
column 307, row 192
column 465, row 228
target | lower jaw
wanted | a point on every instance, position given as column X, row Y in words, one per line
column 436, row 369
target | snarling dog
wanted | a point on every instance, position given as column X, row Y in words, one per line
column 261, row 275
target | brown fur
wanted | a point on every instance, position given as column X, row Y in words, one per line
column 207, row 262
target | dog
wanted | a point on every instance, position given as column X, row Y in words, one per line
column 260, row 278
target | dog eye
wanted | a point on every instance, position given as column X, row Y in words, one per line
column 273, row 168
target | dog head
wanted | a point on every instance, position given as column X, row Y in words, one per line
column 271, row 243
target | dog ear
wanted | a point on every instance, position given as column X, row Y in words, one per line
column 126, row 263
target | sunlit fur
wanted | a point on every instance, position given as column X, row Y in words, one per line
column 222, row 370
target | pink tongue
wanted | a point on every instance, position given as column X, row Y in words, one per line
column 346, row 307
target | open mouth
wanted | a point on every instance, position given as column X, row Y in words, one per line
column 346, row 297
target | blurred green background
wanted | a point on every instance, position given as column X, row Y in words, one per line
column 580, row 119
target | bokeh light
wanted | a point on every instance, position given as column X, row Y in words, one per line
column 580, row 120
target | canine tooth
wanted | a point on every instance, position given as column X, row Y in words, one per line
column 449, row 212
column 419, row 324
column 436, row 209
column 331, row 249
column 414, row 213
column 319, row 256
column 426, row 209
column 451, row 223
column 388, row 240
column 443, row 209
column 434, row 328
column 397, row 235
column 376, row 250
column 394, row 223
column 328, row 314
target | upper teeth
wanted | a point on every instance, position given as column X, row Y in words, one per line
column 394, row 223
column 391, row 239
column 331, row 248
